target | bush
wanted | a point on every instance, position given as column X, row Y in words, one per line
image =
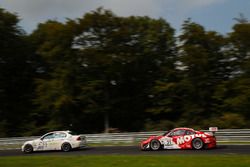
column 158, row 125
column 227, row 120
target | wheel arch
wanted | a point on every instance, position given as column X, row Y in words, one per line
column 157, row 140
column 25, row 147
column 66, row 142
column 203, row 142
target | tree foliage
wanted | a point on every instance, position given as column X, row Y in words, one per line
column 112, row 64
column 16, row 73
column 128, row 73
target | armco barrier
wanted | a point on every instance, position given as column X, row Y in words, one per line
column 223, row 135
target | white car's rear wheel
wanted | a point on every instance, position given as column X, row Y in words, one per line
column 66, row 147
column 28, row 148
column 155, row 145
column 197, row 144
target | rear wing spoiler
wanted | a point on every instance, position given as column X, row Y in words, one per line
column 213, row 130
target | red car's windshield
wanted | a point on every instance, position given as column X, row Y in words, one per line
column 164, row 134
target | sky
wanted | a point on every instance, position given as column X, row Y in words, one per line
column 216, row 15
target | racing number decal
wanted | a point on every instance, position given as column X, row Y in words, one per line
column 45, row 144
column 40, row 145
column 166, row 141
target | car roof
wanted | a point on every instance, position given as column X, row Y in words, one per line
column 64, row 131
column 183, row 128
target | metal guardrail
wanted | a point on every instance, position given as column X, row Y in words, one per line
column 223, row 135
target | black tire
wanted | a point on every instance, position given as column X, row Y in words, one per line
column 28, row 148
column 155, row 145
column 66, row 147
column 197, row 144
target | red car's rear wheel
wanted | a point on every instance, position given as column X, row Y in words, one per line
column 197, row 144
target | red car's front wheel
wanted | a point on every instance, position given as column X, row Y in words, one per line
column 155, row 145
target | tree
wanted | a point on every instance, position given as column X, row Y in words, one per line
column 126, row 56
column 102, row 69
column 241, row 19
column 55, row 86
column 17, row 71
column 205, row 68
column 237, row 91
column 187, row 96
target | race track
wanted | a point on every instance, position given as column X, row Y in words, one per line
column 134, row 150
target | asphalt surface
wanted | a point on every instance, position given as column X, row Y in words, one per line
column 134, row 150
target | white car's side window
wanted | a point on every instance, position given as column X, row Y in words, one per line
column 49, row 136
column 60, row 135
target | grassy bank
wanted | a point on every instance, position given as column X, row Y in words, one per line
column 127, row 161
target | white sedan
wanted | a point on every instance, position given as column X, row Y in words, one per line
column 57, row 140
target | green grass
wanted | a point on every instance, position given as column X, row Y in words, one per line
column 127, row 161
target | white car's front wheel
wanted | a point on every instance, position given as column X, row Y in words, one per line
column 28, row 148
column 66, row 147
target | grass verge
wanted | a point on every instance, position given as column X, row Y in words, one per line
column 125, row 161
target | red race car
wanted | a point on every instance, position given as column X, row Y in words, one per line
column 180, row 138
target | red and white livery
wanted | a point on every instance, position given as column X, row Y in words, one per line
column 180, row 138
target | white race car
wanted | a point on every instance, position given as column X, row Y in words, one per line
column 57, row 140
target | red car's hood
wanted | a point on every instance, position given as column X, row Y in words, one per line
column 154, row 137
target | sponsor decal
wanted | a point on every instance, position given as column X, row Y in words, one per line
column 213, row 129
column 40, row 145
column 188, row 138
column 166, row 141
column 180, row 140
